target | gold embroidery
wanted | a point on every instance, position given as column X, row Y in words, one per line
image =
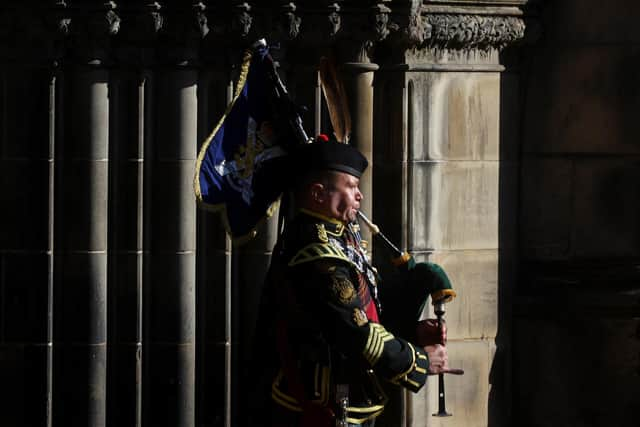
column 316, row 251
column 325, row 266
column 322, row 233
column 344, row 290
column 378, row 336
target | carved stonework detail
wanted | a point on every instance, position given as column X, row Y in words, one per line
column 418, row 29
column 380, row 21
column 93, row 39
column 150, row 21
column 322, row 26
column 57, row 23
column 200, row 26
column 242, row 20
column 154, row 18
column 410, row 28
column 143, row 24
column 58, row 20
column 104, row 23
column 289, row 22
column 360, row 34
column 396, row 31
column 466, row 32
column 183, row 34
column 334, row 20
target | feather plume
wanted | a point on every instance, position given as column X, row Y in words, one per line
column 336, row 98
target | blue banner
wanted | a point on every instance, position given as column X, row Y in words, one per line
column 241, row 167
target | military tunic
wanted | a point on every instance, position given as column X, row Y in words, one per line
column 320, row 296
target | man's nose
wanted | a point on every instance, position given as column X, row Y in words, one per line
column 359, row 195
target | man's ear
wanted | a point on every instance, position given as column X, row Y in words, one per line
column 317, row 192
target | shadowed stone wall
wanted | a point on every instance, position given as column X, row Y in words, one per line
column 576, row 328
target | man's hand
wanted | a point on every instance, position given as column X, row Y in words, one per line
column 438, row 359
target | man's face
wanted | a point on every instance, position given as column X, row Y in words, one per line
column 342, row 197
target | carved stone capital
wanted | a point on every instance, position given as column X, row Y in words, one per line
column 152, row 19
column 418, row 29
column 323, row 25
column 360, row 33
column 103, row 22
column 241, row 20
column 96, row 28
column 379, row 20
column 144, row 23
column 334, row 20
column 199, row 27
column 57, row 24
column 467, row 32
column 139, row 34
column 58, row 20
column 183, row 31
column 409, row 27
column 288, row 23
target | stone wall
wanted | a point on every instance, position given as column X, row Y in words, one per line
column 576, row 329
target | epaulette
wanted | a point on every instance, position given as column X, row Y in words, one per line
column 316, row 251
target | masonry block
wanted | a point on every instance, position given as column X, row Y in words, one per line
column 454, row 115
column 172, row 297
column 583, row 100
column 607, row 208
column 547, row 211
column 454, row 205
column 474, row 277
column 173, row 220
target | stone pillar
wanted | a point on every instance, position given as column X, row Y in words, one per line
column 437, row 155
column 171, row 305
column 80, row 302
column 82, row 259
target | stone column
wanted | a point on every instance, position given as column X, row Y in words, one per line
column 82, row 259
column 437, row 122
column 171, row 305
column 171, row 308
column 80, row 303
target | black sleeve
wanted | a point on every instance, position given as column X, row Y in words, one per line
column 327, row 288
